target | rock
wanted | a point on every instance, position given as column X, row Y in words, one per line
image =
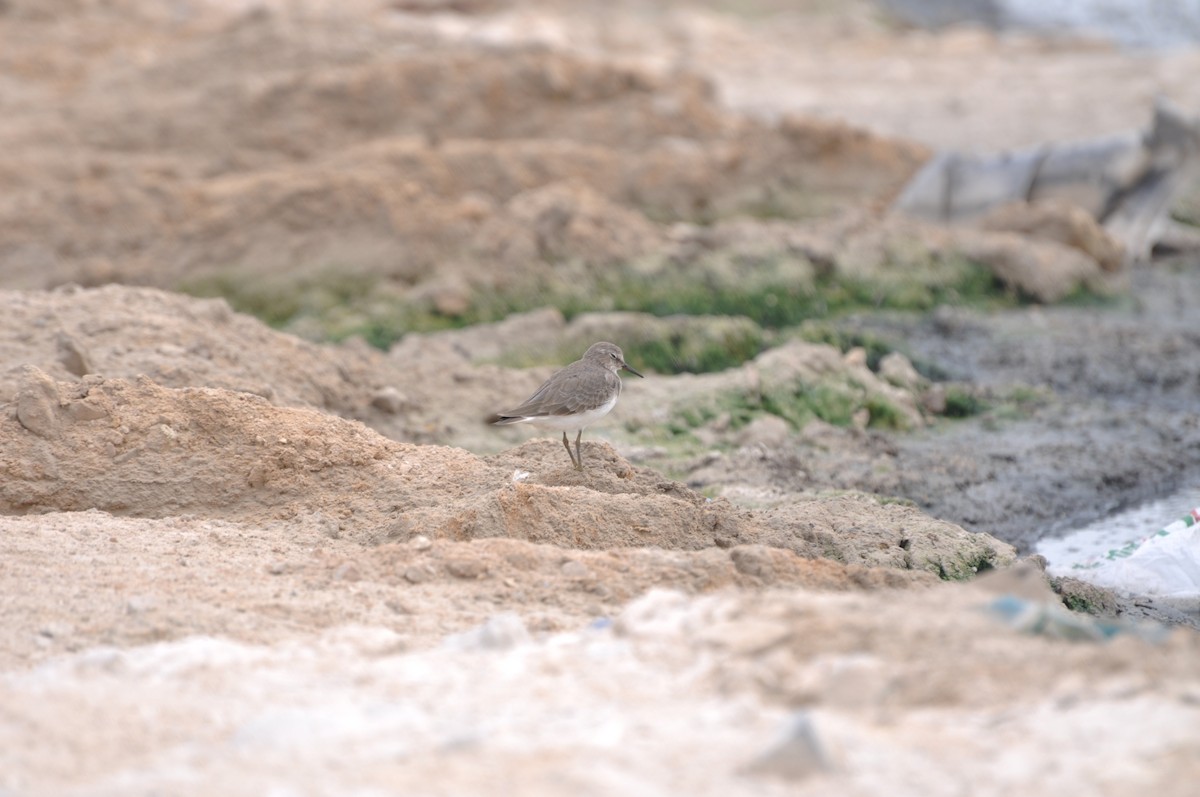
column 765, row 430
column 73, row 357
column 38, row 403
column 575, row 570
column 896, row 368
column 934, row 399
column 1062, row 223
column 346, row 572
column 161, row 437
column 1080, row 596
column 85, row 410
column 389, row 400
column 141, row 604
column 57, row 630
column 499, row 632
column 753, row 560
column 466, row 568
column 417, row 575
column 1042, row 270
column 450, row 295
column 856, row 356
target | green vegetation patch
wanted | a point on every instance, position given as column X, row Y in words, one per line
column 679, row 354
column 833, row 402
column 876, row 348
column 672, row 345
column 778, row 290
column 962, row 403
column 332, row 305
column 993, row 408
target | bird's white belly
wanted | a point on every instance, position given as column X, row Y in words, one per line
column 568, row 423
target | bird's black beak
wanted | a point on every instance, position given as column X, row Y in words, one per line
column 627, row 367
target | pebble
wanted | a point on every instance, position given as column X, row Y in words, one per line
column 466, row 568
column 417, row 575
column 389, row 400
column 346, row 572
column 573, row 569
column 140, row 604
column 37, row 403
column 899, row 370
column 499, row 632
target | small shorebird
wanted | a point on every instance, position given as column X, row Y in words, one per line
column 575, row 397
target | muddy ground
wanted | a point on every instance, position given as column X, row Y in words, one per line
column 284, row 553
column 1115, row 422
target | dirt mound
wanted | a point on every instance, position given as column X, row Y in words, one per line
column 562, row 221
column 139, row 449
column 763, row 692
column 369, row 142
column 174, row 577
column 177, row 341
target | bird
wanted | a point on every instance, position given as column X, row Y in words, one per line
column 575, row 397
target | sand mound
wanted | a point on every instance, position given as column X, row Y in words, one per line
column 139, row 449
column 367, row 142
column 176, row 341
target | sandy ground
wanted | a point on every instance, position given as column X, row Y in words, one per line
column 234, row 560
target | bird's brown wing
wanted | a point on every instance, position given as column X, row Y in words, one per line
column 566, row 393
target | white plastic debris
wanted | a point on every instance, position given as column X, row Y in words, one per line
column 1166, row 564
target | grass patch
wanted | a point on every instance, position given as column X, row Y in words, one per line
column 962, row 403
column 332, row 306
column 994, row 410
column 834, row 403
column 820, row 332
column 876, row 348
column 1019, row 403
column 678, row 344
column 776, row 290
column 1088, row 298
column 885, row 414
column 788, row 301
column 274, row 304
column 738, row 408
column 829, row 403
column 679, row 352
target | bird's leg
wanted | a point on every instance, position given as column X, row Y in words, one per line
column 578, row 453
column 570, row 454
